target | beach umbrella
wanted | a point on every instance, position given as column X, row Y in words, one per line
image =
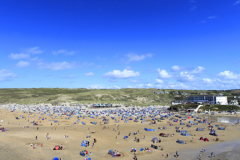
column 55, row 158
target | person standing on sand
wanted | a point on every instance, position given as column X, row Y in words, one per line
column 36, row 137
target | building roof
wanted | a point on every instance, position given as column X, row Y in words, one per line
column 200, row 95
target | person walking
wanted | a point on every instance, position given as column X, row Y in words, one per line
column 200, row 156
column 36, row 137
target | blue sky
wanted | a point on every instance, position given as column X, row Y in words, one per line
column 187, row 44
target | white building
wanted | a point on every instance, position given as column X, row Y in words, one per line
column 222, row 100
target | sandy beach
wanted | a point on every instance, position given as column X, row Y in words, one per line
column 16, row 143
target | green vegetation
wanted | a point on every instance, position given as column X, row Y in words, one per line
column 219, row 107
column 126, row 96
column 204, row 107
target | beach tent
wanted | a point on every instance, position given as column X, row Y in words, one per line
column 221, row 128
column 199, row 129
column 55, row 158
column 149, row 129
column 83, row 123
column 83, row 144
column 125, row 137
column 201, row 138
column 180, row 141
column 205, row 139
column 154, row 139
column 141, row 149
column 177, row 130
column 182, row 123
column 183, row 131
column 111, row 152
column 190, row 121
column 186, row 134
column 126, row 121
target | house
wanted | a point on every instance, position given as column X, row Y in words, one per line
column 184, row 93
column 233, row 102
column 101, row 105
column 222, row 100
column 179, row 102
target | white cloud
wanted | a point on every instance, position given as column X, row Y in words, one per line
column 22, row 64
column 163, row 74
column 229, row 75
column 63, row 51
column 89, row 74
column 207, row 80
column 211, row 17
column 197, row 70
column 121, row 74
column 87, row 64
column 175, row 68
column 186, row 77
column 237, row 2
column 133, row 81
column 96, row 86
column 55, row 66
column 177, row 86
column 6, row 75
column 135, row 57
column 116, row 87
column 144, row 85
column 19, row 56
column 159, row 81
column 34, row 50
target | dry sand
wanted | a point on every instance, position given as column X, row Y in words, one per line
column 15, row 143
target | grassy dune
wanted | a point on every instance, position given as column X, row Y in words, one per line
column 126, row 96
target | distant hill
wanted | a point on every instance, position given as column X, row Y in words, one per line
column 142, row 97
